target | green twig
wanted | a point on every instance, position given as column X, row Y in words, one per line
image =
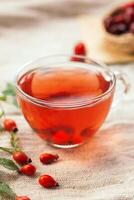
column 14, row 141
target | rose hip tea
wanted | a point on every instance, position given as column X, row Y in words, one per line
column 65, row 105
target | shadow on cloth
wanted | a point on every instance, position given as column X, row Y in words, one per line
column 108, row 147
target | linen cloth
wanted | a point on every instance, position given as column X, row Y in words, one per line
column 102, row 169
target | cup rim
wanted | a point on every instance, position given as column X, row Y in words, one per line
column 81, row 103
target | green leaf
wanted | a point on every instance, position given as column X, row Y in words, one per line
column 9, row 164
column 6, row 190
column 10, row 90
column 14, row 141
column 9, row 150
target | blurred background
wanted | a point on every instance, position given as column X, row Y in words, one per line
column 34, row 28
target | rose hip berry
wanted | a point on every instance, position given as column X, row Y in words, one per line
column 127, row 5
column 28, row 170
column 47, row 158
column 22, row 198
column 21, row 158
column 80, row 49
column 61, row 137
column 129, row 15
column 47, row 181
column 10, row 125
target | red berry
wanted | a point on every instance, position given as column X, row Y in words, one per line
column 21, row 158
column 47, row 158
column 80, row 49
column 127, row 5
column 61, row 137
column 47, row 181
column 118, row 19
column 129, row 15
column 28, row 170
column 22, row 198
column 10, row 125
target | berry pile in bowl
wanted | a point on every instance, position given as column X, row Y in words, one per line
column 118, row 26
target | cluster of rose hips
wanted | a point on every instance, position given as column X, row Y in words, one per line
column 24, row 161
column 121, row 20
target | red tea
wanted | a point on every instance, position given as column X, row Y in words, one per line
column 65, row 114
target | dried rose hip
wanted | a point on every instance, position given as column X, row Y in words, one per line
column 21, row 158
column 22, row 198
column 28, row 170
column 10, row 125
column 108, row 22
column 129, row 15
column 47, row 181
column 47, row 158
column 127, row 5
column 119, row 19
column 118, row 29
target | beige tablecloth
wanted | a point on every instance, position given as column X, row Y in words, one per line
column 102, row 169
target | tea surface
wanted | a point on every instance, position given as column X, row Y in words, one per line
column 64, row 85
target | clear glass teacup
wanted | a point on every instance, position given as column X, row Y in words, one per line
column 66, row 101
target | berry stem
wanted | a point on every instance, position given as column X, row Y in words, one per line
column 9, row 150
column 14, row 142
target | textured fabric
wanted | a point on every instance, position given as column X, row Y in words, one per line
column 102, row 169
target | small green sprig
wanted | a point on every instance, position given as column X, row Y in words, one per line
column 8, row 164
column 9, row 91
column 8, row 150
column 14, row 141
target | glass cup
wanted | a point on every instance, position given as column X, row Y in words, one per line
column 67, row 123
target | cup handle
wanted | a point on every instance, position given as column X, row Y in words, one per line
column 122, row 87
